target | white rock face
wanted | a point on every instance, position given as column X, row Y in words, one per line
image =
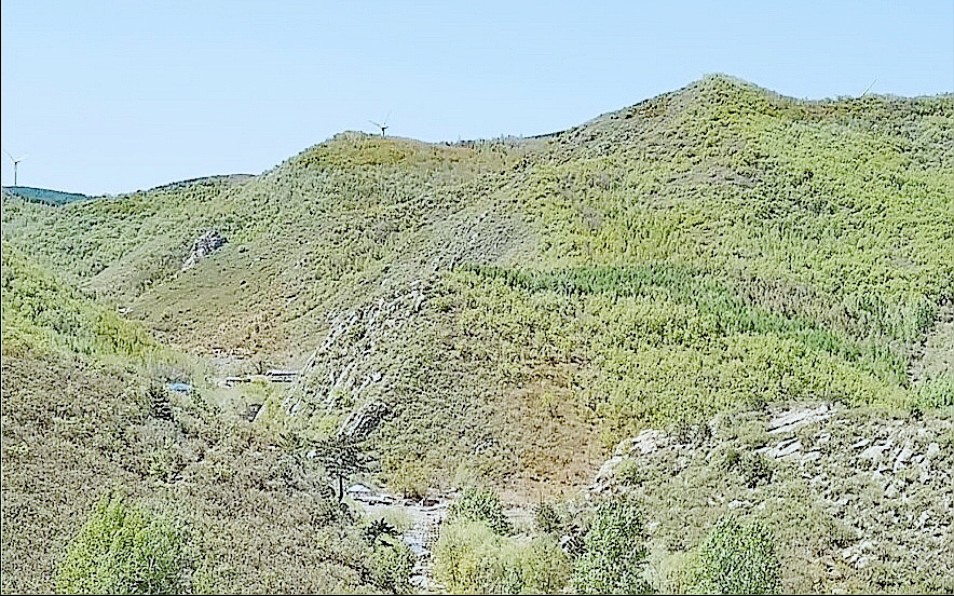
column 800, row 417
column 645, row 443
column 786, row 448
column 348, row 359
column 875, row 452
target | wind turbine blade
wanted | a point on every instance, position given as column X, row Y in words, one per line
column 386, row 118
column 374, row 123
column 10, row 156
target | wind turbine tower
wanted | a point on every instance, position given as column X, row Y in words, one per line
column 383, row 126
column 16, row 162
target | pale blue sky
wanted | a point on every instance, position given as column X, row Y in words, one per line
column 117, row 96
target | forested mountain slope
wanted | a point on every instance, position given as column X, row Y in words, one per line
column 505, row 312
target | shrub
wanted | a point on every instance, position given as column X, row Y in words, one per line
column 544, row 567
column 676, row 572
column 466, row 561
column 546, row 518
column 738, row 558
column 410, row 478
column 615, row 552
column 934, row 394
column 391, row 565
column 470, row 558
column 379, row 529
column 630, row 472
column 124, row 549
column 755, row 469
column 481, row 505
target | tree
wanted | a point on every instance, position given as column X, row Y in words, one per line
column 341, row 457
column 481, row 505
column 615, row 552
column 738, row 558
column 470, row 558
column 124, row 549
column 392, row 563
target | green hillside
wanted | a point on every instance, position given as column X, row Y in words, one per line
column 513, row 309
column 86, row 416
column 45, row 195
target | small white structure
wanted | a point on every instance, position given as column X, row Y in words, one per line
column 281, row 376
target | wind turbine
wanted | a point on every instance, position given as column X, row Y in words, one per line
column 16, row 162
column 384, row 126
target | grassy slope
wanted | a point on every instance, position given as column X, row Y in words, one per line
column 76, row 424
column 729, row 248
column 44, row 315
column 709, row 250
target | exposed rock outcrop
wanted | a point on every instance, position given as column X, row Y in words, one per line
column 349, row 361
column 363, row 421
column 883, row 482
column 203, row 246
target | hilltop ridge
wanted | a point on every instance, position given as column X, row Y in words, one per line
column 44, row 195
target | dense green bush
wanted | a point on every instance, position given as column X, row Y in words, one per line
column 935, row 393
column 410, row 477
column 753, row 468
column 470, row 558
column 391, row 564
column 480, row 505
column 630, row 472
column 544, row 567
column 615, row 553
column 546, row 518
column 125, row 549
column 42, row 312
column 464, row 558
column 738, row 558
